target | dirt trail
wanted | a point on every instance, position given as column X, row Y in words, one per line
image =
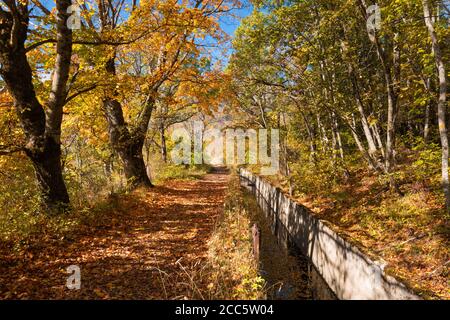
column 128, row 254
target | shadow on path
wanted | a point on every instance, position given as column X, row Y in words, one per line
column 125, row 256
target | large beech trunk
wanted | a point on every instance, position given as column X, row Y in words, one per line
column 42, row 149
column 48, row 169
column 42, row 128
column 128, row 141
column 127, row 146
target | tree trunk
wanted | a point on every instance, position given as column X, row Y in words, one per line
column 372, row 164
column 365, row 124
column 325, row 141
column 441, row 101
column 42, row 128
column 391, row 71
column 162, row 132
column 338, row 137
column 334, row 145
column 376, row 133
column 47, row 166
column 310, row 131
column 128, row 147
column 426, row 126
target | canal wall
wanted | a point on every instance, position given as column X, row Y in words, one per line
column 338, row 265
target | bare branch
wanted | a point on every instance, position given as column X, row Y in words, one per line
column 8, row 150
column 76, row 94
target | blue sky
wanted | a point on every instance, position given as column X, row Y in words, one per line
column 228, row 24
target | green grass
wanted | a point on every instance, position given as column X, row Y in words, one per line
column 180, row 172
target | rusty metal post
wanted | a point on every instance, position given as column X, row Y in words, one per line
column 256, row 235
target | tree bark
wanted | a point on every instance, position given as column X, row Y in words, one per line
column 426, row 125
column 365, row 124
column 441, row 101
column 42, row 128
column 162, row 132
column 340, row 147
column 391, row 72
column 128, row 147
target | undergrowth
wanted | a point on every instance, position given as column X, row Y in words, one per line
column 22, row 218
column 410, row 233
column 180, row 172
column 229, row 271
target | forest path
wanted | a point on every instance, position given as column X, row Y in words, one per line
column 139, row 251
